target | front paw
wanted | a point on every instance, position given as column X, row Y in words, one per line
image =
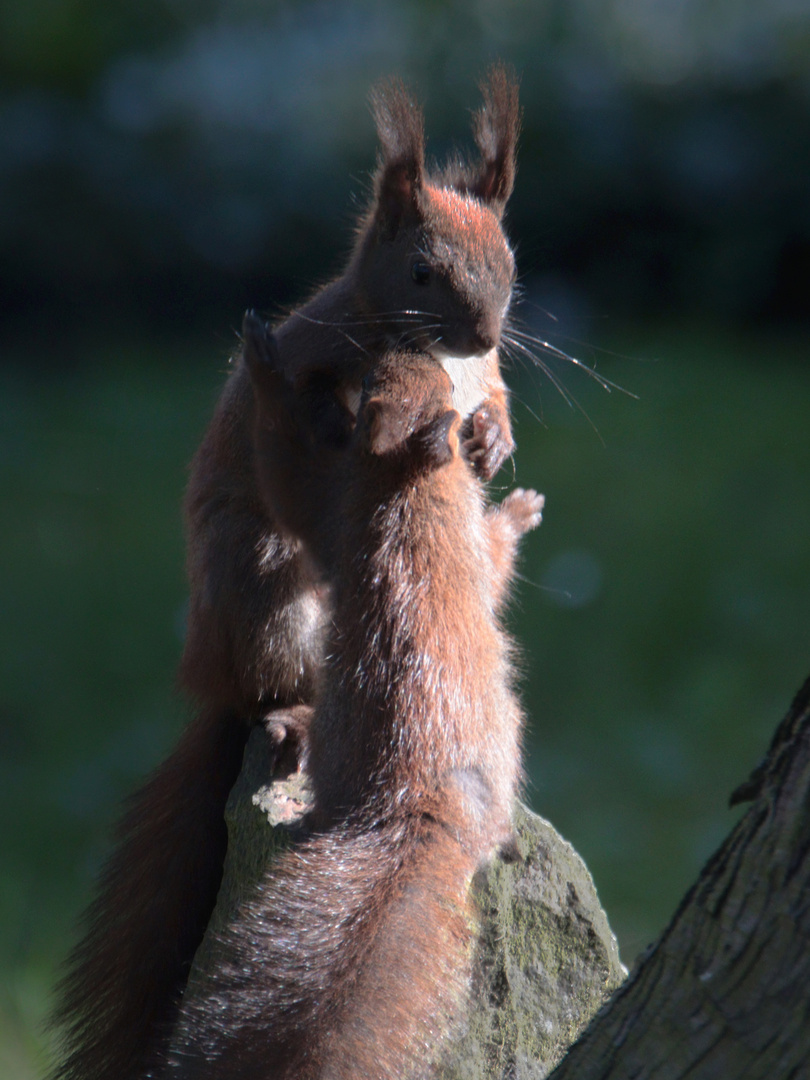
column 524, row 509
column 490, row 443
column 288, row 732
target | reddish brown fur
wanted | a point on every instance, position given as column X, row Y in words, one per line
column 181, row 801
column 352, row 960
column 256, row 602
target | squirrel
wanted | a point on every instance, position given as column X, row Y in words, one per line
column 352, row 959
column 430, row 268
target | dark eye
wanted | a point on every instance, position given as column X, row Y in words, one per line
column 420, row 272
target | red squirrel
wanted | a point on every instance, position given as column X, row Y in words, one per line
column 352, row 957
column 430, row 268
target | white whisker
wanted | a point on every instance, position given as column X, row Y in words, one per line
column 553, row 350
column 522, row 401
column 557, row 383
column 370, row 318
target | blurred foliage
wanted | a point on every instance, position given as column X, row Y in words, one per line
column 93, row 467
column 165, row 164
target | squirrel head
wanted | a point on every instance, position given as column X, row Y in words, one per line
column 406, row 413
column 408, row 419
column 308, row 406
column 433, row 260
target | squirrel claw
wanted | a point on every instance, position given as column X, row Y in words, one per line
column 490, row 443
column 524, row 508
column 288, row 732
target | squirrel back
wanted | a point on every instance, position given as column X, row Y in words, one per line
column 352, row 958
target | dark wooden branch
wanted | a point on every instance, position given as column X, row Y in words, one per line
column 725, row 993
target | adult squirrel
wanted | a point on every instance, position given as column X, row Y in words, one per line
column 352, row 957
column 431, row 268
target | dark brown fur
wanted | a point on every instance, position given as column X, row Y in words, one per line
column 257, row 603
column 352, row 959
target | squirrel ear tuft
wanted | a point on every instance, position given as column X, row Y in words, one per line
column 400, row 173
column 261, row 353
column 496, row 127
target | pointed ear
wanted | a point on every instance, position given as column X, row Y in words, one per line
column 496, row 127
column 386, row 424
column 401, row 168
column 261, row 355
column 436, row 443
column 429, row 447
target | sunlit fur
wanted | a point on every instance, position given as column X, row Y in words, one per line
column 256, row 612
column 352, row 958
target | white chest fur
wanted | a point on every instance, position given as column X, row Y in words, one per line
column 467, row 374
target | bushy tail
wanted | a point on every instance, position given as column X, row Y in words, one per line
column 353, row 960
column 123, row 984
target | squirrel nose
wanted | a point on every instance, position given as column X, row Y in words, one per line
column 487, row 335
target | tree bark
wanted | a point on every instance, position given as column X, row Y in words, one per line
column 725, row 992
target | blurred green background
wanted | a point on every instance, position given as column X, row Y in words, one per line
column 164, row 165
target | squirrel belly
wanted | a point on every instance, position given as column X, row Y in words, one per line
column 352, row 958
column 430, row 268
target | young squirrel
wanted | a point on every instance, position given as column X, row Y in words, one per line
column 430, row 268
column 352, row 959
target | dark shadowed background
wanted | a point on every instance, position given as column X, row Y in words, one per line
column 164, row 165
